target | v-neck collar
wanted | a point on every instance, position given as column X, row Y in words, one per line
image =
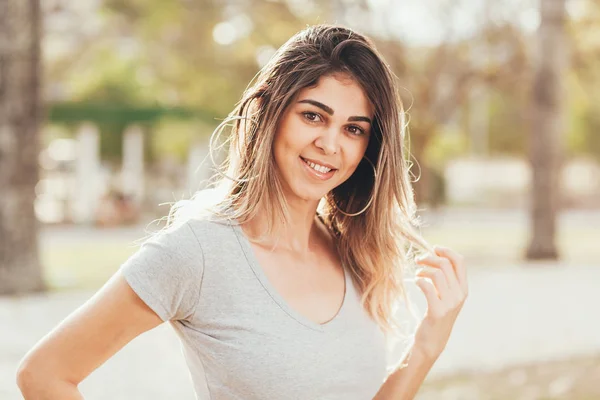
column 250, row 255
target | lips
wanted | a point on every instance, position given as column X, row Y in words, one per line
column 323, row 176
column 317, row 162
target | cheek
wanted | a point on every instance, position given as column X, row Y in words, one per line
column 284, row 143
column 354, row 153
column 279, row 152
column 291, row 136
column 353, row 156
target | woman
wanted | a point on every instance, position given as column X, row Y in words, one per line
column 282, row 280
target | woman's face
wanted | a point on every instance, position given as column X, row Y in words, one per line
column 322, row 137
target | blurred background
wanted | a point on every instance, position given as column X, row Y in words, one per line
column 107, row 106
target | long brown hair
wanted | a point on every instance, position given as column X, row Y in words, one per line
column 375, row 245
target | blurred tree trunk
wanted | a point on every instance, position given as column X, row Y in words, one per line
column 547, row 128
column 20, row 269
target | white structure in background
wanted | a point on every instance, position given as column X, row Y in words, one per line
column 506, row 182
column 132, row 167
column 86, row 191
column 74, row 179
column 581, row 178
column 483, row 180
column 54, row 190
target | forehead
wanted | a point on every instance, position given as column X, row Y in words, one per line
column 340, row 92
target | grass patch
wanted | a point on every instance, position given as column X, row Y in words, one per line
column 83, row 265
column 569, row 379
column 87, row 264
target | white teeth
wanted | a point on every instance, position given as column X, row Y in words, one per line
column 318, row 167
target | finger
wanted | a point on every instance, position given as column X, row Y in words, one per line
column 439, row 281
column 445, row 266
column 455, row 258
column 429, row 291
column 458, row 263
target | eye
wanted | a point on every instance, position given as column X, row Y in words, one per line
column 356, row 130
column 311, row 116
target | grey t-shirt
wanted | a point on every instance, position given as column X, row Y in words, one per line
column 240, row 338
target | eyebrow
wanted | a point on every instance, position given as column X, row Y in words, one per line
column 330, row 111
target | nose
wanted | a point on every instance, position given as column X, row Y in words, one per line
column 328, row 141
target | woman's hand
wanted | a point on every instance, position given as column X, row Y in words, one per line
column 445, row 294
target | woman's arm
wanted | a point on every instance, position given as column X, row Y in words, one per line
column 49, row 389
column 446, row 288
column 405, row 381
column 55, row 366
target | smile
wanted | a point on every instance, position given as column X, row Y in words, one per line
column 319, row 171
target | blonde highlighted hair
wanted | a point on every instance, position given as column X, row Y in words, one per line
column 377, row 246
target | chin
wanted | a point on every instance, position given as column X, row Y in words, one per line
column 308, row 192
column 315, row 196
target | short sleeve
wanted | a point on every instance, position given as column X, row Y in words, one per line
column 166, row 272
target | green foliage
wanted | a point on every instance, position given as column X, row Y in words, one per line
column 449, row 143
column 104, row 112
column 176, row 46
column 175, row 137
column 584, row 121
column 590, row 143
column 156, row 60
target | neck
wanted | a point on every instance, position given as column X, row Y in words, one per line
column 297, row 234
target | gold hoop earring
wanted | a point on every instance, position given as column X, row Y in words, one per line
column 370, row 200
